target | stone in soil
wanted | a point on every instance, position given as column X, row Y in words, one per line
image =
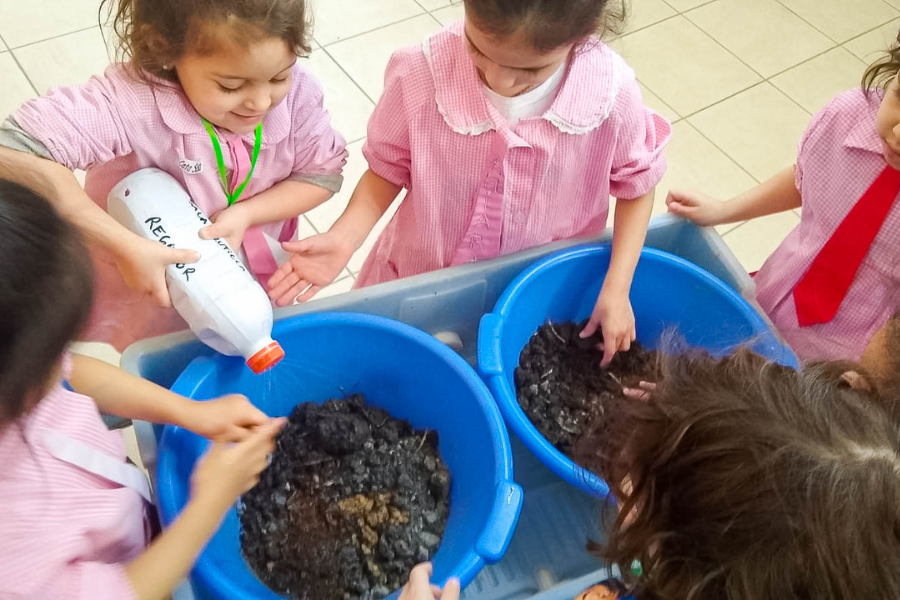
column 561, row 386
column 352, row 500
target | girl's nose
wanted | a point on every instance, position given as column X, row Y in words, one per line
column 259, row 101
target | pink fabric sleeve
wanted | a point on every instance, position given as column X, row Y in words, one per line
column 387, row 147
column 639, row 162
column 87, row 581
column 318, row 148
column 808, row 138
column 80, row 125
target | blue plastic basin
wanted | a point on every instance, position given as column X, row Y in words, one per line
column 668, row 292
column 398, row 368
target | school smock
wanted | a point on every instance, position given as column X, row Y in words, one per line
column 116, row 124
column 66, row 533
column 477, row 188
column 839, row 157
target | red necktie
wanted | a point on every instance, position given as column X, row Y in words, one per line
column 821, row 290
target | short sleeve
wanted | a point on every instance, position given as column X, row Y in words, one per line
column 639, row 161
column 807, row 141
column 80, row 126
column 319, row 151
column 387, row 147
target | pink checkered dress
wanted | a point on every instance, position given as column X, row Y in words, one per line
column 476, row 188
column 114, row 125
column 839, row 157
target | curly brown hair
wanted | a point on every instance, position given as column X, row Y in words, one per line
column 881, row 72
column 547, row 24
column 744, row 480
column 154, row 34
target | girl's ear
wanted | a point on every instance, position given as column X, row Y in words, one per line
column 857, row 381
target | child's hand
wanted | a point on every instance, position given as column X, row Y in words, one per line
column 642, row 392
column 230, row 224
column 615, row 319
column 697, row 208
column 315, row 262
column 229, row 470
column 227, row 419
column 420, row 588
column 143, row 263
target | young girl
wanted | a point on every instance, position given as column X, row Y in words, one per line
column 833, row 282
column 745, row 480
column 75, row 518
column 508, row 130
column 213, row 95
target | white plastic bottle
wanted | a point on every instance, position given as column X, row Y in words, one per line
column 218, row 297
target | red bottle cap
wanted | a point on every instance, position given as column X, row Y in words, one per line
column 266, row 358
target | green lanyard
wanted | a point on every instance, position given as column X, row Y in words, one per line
column 220, row 160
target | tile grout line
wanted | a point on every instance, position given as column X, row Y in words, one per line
column 350, row 77
column 362, row 33
column 55, row 37
column 21, row 70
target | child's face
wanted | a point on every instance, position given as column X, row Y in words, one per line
column 888, row 122
column 234, row 87
column 509, row 65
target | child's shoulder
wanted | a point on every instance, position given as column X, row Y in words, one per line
column 844, row 113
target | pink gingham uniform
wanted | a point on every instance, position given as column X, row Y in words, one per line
column 114, row 125
column 839, row 157
column 477, row 189
column 66, row 534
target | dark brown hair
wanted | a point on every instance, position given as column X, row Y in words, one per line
column 880, row 73
column 743, row 480
column 547, row 24
column 153, row 34
column 46, row 289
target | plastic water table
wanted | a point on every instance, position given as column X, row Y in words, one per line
column 546, row 559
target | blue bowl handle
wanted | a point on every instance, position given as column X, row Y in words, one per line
column 501, row 525
column 489, row 345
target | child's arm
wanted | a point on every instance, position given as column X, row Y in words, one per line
column 613, row 313
column 141, row 261
column 318, row 260
column 282, row 201
column 776, row 195
column 119, row 393
column 225, row 473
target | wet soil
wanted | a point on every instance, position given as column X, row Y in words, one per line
column 561, row 386
column 352, row 500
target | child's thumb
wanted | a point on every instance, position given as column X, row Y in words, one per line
column 299, row 247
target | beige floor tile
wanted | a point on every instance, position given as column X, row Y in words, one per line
column 305, row 228
column 67, row 60
column 870, row 46
column 449, row 14
column 350, row 108
column 339, row 19
column 817, row 81
column 131, row 446
column 643, row 13
column 763, row 33
column 758, row 128
column 342, row 286
column 15, row 88
column 685, row 67
column 323, row 216
column 695, row 164
column 842, row 20
column 27, row 22
column 685, row 5
column 98, row 350
column 436, row 4
column 754, row 241
column 654, row 102
column 365, row 57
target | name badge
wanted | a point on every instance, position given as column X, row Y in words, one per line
column 191, row 167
